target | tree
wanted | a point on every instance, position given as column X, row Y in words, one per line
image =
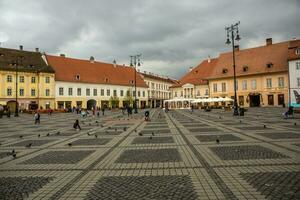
column 114, row 102
column 129, row 99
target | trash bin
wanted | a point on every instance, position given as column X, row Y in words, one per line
column 242, row 111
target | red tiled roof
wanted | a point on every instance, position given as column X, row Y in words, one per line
column 255, row 59
column 199, row 74
column 66, row 69
column 152, row 76
column 293, row 45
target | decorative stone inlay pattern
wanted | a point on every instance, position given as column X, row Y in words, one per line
column 246, row 152
column 149, row 155
column 20, row 187
column 143, row 187
column 158, row 131
column 278, row 135
column 211, row 138
column 58, row 157
column 275, row 185
column 208, row 129
column 94, row 141
column 154, row 140
column 32, row 142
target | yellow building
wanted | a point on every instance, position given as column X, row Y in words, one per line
column 35, row 80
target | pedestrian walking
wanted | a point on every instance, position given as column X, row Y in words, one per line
column 37, row 118
column 103, row 110
column 76, row 125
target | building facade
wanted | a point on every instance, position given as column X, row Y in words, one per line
column 294, row 73
column 158, row 88
column 25, row 74
column 90, row 84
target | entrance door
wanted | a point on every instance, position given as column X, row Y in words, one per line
column 271, row 100
column 91, row 104
column 280, row 99
column 254, row 100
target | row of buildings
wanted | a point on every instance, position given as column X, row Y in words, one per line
column 268, row 75
column 58, row 82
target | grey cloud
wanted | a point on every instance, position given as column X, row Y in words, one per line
column 171, row 35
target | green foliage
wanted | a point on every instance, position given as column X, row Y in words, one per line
column 114, row 102
column 129, row 98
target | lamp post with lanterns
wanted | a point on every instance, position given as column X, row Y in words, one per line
column 232, row 35
column 19, row 61
column 135, row 61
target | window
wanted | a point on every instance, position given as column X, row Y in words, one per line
column 241, row 100
column 115, row 93
column 33, row 79
column 215, row 86
column 88, row 92
column 245, row 68
column 198, row 92
column 61, row 91
column 121, row 93
column 107, row 92
column 175, row 94
column 32, row 92
column 281, row 82
column 47, row 92
column 102, row 92
column 244, row 86
column 128, row 93
column 298, row 82
column 144, row 93
column 253, row 84
column 181, row 93
column 21, row 92
column 269, row 82
column 298, row 65
column 78, row 91
column 225, row 71
column 298, row 51
column 206, row 92
column 9, row 92
column 70, row 91
column 21, row 79
column 9, row 78
column 77, row 77
column 95, row 92
column 134, row 93
column 223, row 87
column 269, row 65
column 47, row 79
column 139, row 93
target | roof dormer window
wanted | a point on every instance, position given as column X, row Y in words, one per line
column 298, row 51
column 77, row 77
column 196, row 72
column 245, row 68
column 225, row 71
column 106, row 80
column 269, row 65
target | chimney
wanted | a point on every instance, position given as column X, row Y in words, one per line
column 62, row 55
column 115, row 63
column 92, row 59
column 37, row 50
column 236, row 47
column 21, row 47
column 208, row 59
column 269, row 41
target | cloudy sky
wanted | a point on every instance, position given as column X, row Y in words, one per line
column 171, row 35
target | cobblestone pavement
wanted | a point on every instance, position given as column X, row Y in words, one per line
column 177, row 155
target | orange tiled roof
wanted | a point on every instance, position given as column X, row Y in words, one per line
column 293, row 45
column 199, row 74
column 255, row 59
column 66, row 69
column 156, row 77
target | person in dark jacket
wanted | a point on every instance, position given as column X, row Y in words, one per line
column 76, row 125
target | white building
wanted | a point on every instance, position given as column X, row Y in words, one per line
column 294, row 73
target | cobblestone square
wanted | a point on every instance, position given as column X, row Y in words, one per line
column 153, row 140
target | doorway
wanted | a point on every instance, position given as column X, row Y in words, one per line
column 280, row 99
column 254, row 100
column 90, row 104
column 271, row 100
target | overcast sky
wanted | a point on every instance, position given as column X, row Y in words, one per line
column 171, row 35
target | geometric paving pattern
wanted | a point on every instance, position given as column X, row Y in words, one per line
column 149, row 155
column 58, row 157
column 153, row 140
column 32, row 142
column 94, row 141
column 143, row 187
column 275, row 185
column 20, row 187
column 277, row 135
column 4, row 154
column 211, row 138
column 246, row 152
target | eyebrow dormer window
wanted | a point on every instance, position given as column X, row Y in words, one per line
column 77, row 77
column 196, row 72
column 269, row 65
column 225, row 71
column 245, row 68
column 106, row 80
column 298, row 51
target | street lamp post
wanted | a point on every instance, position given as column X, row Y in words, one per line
column 135, row 61
column 18, row 61
column 234, row 31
